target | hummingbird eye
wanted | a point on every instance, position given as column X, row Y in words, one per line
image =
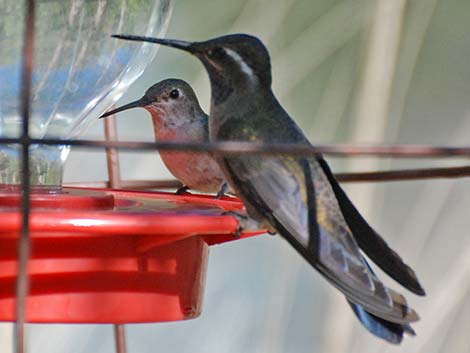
column 217, row 53
column 174, row 94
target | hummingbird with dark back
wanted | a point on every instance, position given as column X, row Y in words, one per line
column 177, row 116
column 295, row 195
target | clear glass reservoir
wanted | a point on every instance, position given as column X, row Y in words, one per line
column 79, row 72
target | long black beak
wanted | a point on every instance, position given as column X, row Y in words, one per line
column 142, row 102
column 179, row 44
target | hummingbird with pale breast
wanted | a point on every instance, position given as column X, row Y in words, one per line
column 297, row 196
column 177, row 116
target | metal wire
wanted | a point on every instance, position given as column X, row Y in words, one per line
column 355, row 177
column 404, row 174
column 120, row 338
column 130, row 184
column 112, row 154
column 239, row 147
column 24, row 243
column 114, row 175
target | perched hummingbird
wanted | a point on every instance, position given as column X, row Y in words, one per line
column 177, row 116
column 297, row 196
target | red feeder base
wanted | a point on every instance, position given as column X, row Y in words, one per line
column 107, row 256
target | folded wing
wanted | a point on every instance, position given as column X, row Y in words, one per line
column 370, row 241
column 308, row 216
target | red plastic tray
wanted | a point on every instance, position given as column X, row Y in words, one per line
column 110, row 256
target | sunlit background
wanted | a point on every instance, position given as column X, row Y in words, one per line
column 378, row 71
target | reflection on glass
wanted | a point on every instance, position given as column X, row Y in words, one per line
column 79, row 71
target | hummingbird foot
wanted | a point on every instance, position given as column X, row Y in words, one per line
column 242, row 219
column 222, row 191
column 247, row 223
column 182, row 190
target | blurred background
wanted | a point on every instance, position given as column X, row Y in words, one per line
column 352, row 71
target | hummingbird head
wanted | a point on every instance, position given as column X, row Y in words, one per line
column 235, row 57
column 172, row 101
column 235, row 61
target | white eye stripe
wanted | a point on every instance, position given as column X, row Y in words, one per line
column 243, row 65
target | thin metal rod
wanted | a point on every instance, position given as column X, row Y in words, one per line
column 239, row 147
column 404, row 174
column 112, row 154
column 379, row 176
column 114, row 175
column 24, row 243
column 120, row 338
column 130, row 184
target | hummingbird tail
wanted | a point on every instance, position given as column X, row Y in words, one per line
column 389, row 331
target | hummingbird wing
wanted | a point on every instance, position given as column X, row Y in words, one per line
column 308, row 216
column 370, row 241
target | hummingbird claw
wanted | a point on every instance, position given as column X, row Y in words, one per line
column 222, row 191
column 242, row 221
column 247, row 223
column 182, row 190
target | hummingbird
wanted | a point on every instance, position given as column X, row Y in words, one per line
column 297, row 196
column 177, row 116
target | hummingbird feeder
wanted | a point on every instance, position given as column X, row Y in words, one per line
column 97, row 255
